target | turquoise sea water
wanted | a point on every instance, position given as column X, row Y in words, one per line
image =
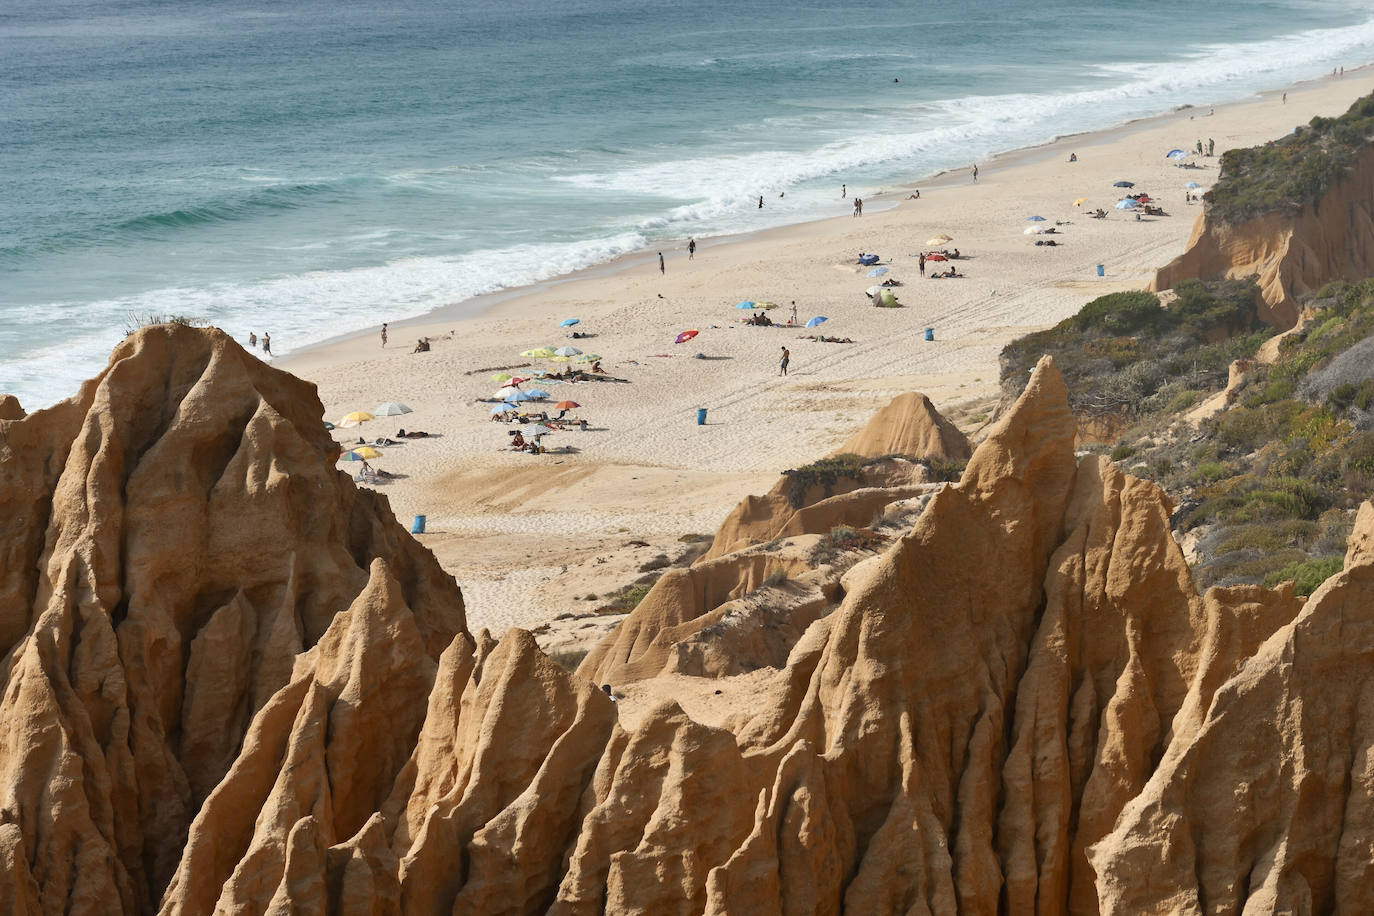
column 307, row 168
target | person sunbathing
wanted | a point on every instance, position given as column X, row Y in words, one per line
column 517, row 441
column 414, row 434
column 596, row 367
column 422, row 346
column 383, row 440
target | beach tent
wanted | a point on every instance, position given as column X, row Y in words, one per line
column 1126, row 204
column 391, row 409
column 818, row 320
column 886, row 298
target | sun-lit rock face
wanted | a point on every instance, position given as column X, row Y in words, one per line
column 233, row 684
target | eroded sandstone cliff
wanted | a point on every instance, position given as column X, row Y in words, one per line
column 1293, row 252
column 235, row 686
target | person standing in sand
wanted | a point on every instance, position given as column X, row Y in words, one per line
column 383, row 333
column 691, row 249
column 923, row 263
column 660, row 262
column 794, row 312
column 975, row 171
column 782, row 366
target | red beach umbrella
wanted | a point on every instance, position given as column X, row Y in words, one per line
column 936, row 257
column 685, row 335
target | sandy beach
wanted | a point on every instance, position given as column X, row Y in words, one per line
column 645, row 474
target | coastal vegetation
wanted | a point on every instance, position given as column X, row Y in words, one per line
column 1293, row 171
column 1266, row 488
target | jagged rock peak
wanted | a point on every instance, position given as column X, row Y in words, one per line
column 908, row 425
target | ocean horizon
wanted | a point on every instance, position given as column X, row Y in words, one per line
column 309, row 170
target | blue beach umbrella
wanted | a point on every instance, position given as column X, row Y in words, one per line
column 1123, row 184
column 1035, row 219
column 519, row 396
column 502, row 408
column 1126, row 204
column 537, row 393
column 877, row 271
column 818, row 320
column 1175, row 154
column 744, row 305
column 1192, row 186
column 569, row 322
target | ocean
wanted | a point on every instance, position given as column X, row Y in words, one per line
column 311, row 168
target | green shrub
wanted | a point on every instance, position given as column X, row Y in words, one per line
column 823, row 473
column 1306, row 575
column 775, row 578
column 1122, row 452
column 1120, row 313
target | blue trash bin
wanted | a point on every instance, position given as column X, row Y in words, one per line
column 701, row 416
column 418, row 526
column 1099, row 270
column 930, row 333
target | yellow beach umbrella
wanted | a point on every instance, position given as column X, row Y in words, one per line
column 361, row 454
column 501, row 377
column 588, row 358
column 538, row 353
column 1079, row 201
column 356, row 418
column 939, row 239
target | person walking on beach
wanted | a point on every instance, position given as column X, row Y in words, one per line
column 923, row 263
column 267, row 343
column 383, row 333
column 844, row 191
column 975, row 171
column 691, row 249
column 794, row 312
column 760, row 201
column 1285, row 98
column 1211, row 146
column 660, row 262
column 782, row 367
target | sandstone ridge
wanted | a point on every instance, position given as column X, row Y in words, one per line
column 1292, row 253
column 1020, row 705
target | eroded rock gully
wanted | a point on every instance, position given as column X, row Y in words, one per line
column 234, row 685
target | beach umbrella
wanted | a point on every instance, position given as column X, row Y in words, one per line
column 1192, row 186
column 818, row 320
column 1175, row 154
column 361, row 454
column 567, row 351
column 535, row 429
column 588, row 358
column 766, row 305
column 939, row 239
column 1079, row 201
column 505, row 394
column 560, row 359
column 520, row 396
column 502, row 408
column 873, row 291
column 936, row 257
column 686, row 335
column 1032, row 230
column 1126, row 204
column 501, row 377
column 356, row 418
column 536, row 393
column 328, row 425
column 1123, row 184
column 391, row 409
column 566, row 405
column 1035, row 219
column 746, row 304
column 538, row 353
column 569, row 322
column 877, row 271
